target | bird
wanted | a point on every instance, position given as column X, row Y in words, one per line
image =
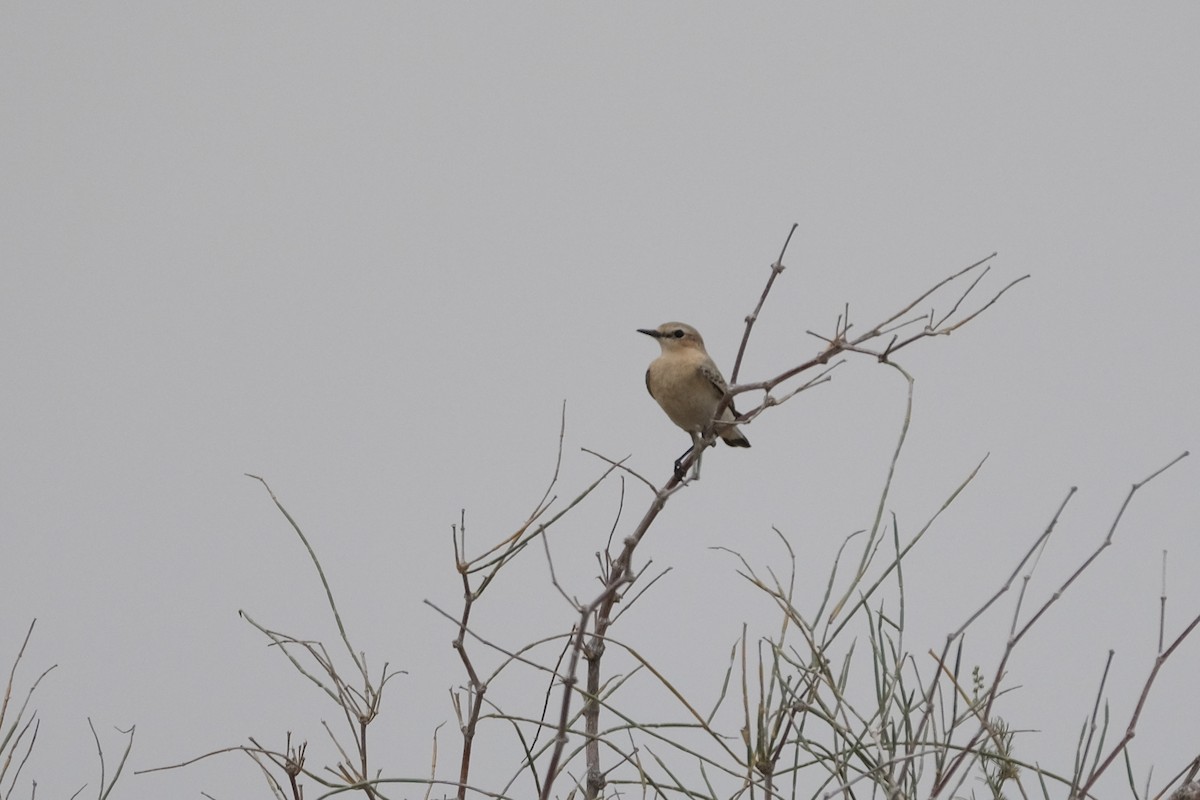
column 687, row 384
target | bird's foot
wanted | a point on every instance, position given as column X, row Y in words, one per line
column 680, row 474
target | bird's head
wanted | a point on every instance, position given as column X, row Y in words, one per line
column 674, row 336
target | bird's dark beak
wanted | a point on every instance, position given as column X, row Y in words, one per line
column 649, row 332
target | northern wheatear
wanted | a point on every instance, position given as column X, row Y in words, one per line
column 687, row 384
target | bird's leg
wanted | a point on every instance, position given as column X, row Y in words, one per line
column 698, row 446
column 679, row 463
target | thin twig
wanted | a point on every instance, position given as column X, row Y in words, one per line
column 1131, row 729
column 362, row 667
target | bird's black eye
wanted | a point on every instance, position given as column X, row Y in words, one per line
column 678, row 333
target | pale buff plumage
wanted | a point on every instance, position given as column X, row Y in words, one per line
column 687, row 384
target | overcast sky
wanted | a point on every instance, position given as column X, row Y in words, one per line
column 367, row 252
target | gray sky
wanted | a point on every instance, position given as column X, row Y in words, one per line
column 368, row 252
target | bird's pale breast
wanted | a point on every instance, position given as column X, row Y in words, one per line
column 683, row 391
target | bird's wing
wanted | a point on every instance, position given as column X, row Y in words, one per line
column 714, row 377
column 648, row 389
